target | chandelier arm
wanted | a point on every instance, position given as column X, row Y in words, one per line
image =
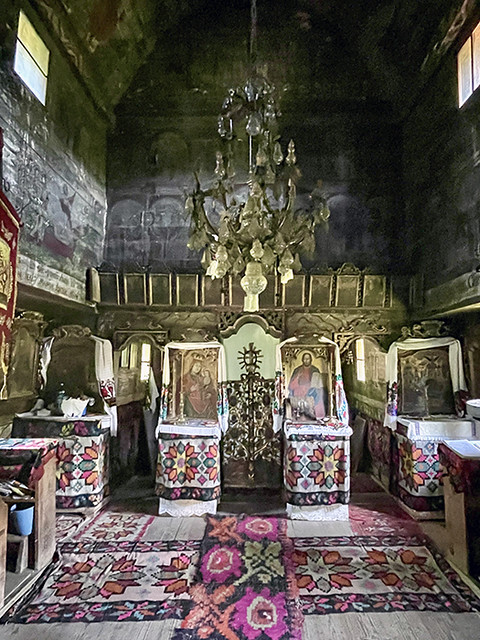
column 210, row 228
column 300, row 236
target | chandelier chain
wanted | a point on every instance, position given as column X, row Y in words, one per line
column 253, row 33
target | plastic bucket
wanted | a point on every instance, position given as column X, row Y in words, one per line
column 21, row 519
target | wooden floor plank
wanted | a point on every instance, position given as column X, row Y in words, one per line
column 411, row 625
column 163, row 528
column 192, row 528
column 306, row 529
column 154, row 630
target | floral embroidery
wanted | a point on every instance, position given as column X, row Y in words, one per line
column 259, row 528
column 262, row 613
column 327, row 466
column 246, row 588
column 220, row 563
column 188, row 467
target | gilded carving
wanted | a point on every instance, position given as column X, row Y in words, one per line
column 122, row 339
column 72, row 331
column 271, row 321
column 425, row 329
column 23, row 374
column 250, row 445
column 176, row 322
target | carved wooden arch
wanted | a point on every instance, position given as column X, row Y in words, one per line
column 123, row 339
column 345, row 342
column 269, row 325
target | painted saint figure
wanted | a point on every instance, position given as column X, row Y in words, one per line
column 306, row 381
column 200, row 393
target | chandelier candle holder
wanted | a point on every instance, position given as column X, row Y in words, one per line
column 263, row 233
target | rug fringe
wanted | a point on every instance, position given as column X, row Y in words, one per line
column 12, row 614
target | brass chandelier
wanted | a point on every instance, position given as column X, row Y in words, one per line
column 264, row 233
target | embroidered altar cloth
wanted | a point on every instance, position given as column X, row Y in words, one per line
column 416, row 473
column 437, row 429
column 82, row 456
column 460, row 460
column 188, row 468
column 317, row 470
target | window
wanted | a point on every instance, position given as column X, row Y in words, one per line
column 31, row 58
column 468, row 66
column 145, row 361
column 138, row 356
column 360, row 359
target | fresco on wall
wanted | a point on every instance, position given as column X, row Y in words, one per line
column 61, row 205
column 166, row 129
column 149, row 230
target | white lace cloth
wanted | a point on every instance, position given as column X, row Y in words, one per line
column 191, row 427
column 185, row 508
column 324, row 513
column 438, row 430
column 333, row 427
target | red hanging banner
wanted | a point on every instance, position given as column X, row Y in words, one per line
column 9, row 228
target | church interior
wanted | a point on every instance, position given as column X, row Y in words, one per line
column 240, row 319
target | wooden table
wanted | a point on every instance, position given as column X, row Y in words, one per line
column 37, row 459
column 460, row 460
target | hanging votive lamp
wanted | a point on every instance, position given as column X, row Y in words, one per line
column 253, row 283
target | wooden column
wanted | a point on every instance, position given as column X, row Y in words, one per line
column 456, row 525
column 3, row 548
column 44, row 522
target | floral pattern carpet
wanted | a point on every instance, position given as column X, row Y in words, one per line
column 110, row 525
column 245, row 586
column 377, row 573
column 245, row 580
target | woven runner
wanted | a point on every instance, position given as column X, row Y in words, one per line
column 245, row 587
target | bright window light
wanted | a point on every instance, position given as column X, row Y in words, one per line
column 145, row 362
column 464, row 65
column 31, row 58
column 360, row 359
column 468, row 66
column 476, row 56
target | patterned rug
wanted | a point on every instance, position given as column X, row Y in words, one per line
column 67, row 525
column 381, row 517
column 246, row 580
column 245, row 587
column 377, row 574
column 113, row 581
column 110, row 525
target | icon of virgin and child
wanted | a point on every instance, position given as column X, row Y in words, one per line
column 307, row 382
column 200, row 392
